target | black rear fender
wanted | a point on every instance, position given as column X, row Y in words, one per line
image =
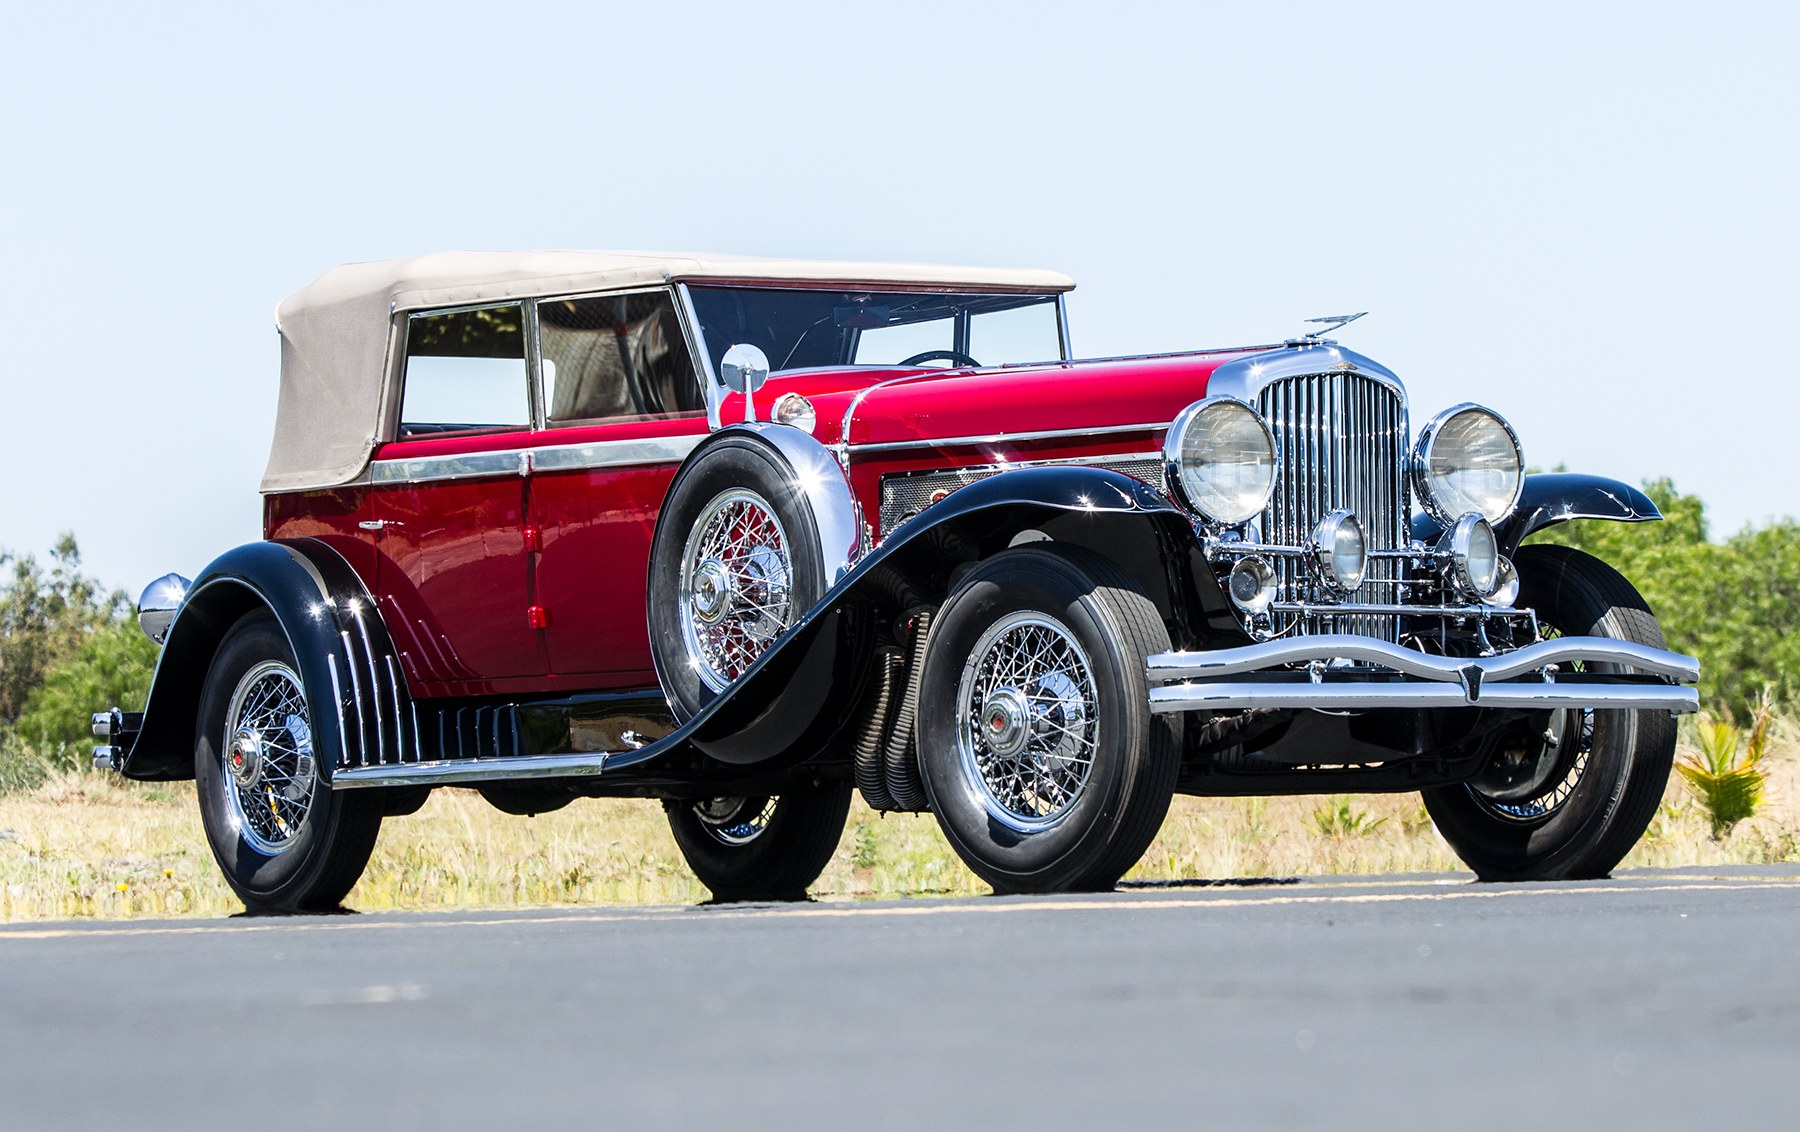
column 360, row 704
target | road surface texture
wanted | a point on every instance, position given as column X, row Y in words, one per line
column 1656, row 1000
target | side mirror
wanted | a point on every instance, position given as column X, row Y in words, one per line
column 744, row 369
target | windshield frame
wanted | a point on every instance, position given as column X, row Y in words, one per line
column 703, row 350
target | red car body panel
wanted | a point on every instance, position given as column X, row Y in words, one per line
column 535, row 581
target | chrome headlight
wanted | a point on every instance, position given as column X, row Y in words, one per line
column 1468, row 459
column 1220, row 459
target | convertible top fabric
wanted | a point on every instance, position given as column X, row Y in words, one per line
column 335, row 364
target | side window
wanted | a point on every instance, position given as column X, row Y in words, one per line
column 615, row 357
column 465, row 371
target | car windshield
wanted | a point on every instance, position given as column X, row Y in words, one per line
column 799, row 329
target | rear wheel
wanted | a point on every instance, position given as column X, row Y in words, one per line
column 1571, row 803
column 284, row 840
column 1044, row 764
column 761, row 848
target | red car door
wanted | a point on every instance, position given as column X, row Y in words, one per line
column 622, row 409
column 450, row 506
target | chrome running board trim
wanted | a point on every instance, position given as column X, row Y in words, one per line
column 1350, row 697
column 446, row 771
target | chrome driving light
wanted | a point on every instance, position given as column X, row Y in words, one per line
column 1468, row 459
column 1506, row 588
column 1219, row 459
column 1340, row 550
column 793, row 409
column 1474, row 556
column 1251, row 584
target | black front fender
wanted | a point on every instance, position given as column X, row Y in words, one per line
column 799, row 694
column 1549, row 498
column 332, row 626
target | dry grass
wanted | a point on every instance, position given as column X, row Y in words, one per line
column 90, row 845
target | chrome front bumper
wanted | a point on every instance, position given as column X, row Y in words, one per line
column 1346, row 672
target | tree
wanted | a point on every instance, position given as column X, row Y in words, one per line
column 45, row 617
column 1735, row 605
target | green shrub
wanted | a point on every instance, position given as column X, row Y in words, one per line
column 1728, row 786
column 1735, row 604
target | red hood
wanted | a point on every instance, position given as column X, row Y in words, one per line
column 945, row 404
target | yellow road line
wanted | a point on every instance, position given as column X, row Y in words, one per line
column 1107, row 902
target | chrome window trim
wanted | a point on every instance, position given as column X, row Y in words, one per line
column 527, row 316
column 689, row 330
column 711, row 389
column 1062, row 327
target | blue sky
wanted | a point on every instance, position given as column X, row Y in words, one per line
column 1582, row 216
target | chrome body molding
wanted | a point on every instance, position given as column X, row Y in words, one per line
column 471, row 465
column 524, row 461
column 613, row 453
column 997, row 437
column 821, row 480
column 1494, row 681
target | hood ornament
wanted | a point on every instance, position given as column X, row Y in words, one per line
column 1331, row 323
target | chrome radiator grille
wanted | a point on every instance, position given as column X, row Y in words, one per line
column 1341, row 439
column 903, row 496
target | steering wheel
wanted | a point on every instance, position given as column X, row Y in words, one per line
column 956, row 356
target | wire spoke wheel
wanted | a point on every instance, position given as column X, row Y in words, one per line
column 267, row 757
column 1562, row 756
column 735, row 594
column 1028, row 720
column 1570, row 800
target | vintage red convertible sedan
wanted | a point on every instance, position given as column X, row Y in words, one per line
column 748, row 535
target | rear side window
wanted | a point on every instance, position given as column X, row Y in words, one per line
column 615, row 357
column 465, row 372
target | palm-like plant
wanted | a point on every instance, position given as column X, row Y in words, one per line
column 1727, row 783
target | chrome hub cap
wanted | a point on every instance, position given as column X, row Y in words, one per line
column 712, row 590
column 244, row 758
column 1005, row 721
column 1029, row 725
column 268, row 760
column 735, row 821
column 736, row 588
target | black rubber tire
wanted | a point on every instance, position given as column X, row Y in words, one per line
column 325, row 858
column 1137, row 757
column 782, row 861
column 731, row 463
column 1589, row 832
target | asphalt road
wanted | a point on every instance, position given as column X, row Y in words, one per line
column 1660, row 1000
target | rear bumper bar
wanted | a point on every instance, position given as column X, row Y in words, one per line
column 1345, row 672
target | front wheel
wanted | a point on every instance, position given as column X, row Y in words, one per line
column 761, row 848
column 1043, row 762
column 283, row 838
column 1571, row 803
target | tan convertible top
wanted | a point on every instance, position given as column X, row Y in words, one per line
column 334, row 331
